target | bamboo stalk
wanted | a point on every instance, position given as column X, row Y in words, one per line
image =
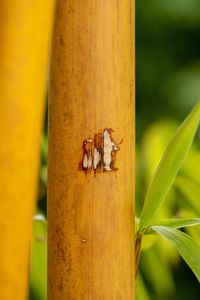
column 25, row 27
column 91, row 152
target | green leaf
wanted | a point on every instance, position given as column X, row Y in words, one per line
column 174, row 223
column 184, row 244
column 169, row 166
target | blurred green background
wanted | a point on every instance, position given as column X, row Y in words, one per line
column 167, row 87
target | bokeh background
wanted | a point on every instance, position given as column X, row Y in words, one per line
column 167, row 87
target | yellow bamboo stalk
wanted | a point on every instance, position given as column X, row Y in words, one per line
column 91, row 152
column 25, row 27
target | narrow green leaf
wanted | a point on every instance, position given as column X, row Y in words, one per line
column 184, row 244
column 174, row 223
column 169, row 166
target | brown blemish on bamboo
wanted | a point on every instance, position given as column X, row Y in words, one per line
column 99, row 153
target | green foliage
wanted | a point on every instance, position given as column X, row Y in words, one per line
column 165, row 174
column 169, row 166
column 184, row 244
column 167, row 85
column 174, row 223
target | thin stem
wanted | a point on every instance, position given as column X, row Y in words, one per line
column 138, row 252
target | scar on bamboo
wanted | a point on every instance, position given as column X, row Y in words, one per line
column 99, row 153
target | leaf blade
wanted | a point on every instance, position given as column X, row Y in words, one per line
column 169, row 166
column 184, row 244
column 176, row 223
column 173, row 223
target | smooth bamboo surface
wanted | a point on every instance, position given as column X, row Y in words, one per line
column 91, row 152
column 25, row 27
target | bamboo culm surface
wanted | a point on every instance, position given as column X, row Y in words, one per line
column 91, row 152
column 25, row 27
